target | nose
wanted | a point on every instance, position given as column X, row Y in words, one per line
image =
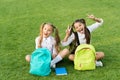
column 45, row 31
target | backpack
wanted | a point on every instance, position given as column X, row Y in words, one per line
column 40, row 62
column 84, row 57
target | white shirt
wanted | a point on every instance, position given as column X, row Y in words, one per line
column 81, row 36
column 48, row 43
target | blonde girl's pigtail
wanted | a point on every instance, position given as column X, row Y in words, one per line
column 57, row 38
column 41, row 34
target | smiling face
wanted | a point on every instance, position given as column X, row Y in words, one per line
column 79, row 27
column 47, row 30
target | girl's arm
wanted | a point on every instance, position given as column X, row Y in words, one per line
column 55, row 52
column 54, row 49
column 68, row 38
column 37, row 42
column 99, row 22
column 94, row 18
column 65, row 38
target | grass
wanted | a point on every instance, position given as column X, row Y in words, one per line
column 19, row 25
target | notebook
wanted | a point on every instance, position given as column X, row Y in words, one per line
column 61, row 71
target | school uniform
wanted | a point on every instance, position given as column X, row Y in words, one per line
column 48, row 43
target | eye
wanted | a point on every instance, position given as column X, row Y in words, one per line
column 44, row 28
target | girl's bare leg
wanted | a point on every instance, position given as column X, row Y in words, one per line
column 99, row 55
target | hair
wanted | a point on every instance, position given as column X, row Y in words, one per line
column 86, row 32
column 55, row 30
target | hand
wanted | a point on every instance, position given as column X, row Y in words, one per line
column 68, row 30
column 94, row 18
column 91, row 16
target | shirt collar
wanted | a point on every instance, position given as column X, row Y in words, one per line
column 48, row 38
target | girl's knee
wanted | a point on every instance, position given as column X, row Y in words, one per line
column 102, row 54
column 99, row 55
column 71, row 57
column 54, row 55
column 27, row 58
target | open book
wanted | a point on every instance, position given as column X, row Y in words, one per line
column 61, row 71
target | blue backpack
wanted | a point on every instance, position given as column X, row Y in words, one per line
column 40, row 62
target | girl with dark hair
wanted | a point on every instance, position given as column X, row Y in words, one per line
column 78, row 34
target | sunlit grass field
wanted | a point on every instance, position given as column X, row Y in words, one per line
column 19, row 26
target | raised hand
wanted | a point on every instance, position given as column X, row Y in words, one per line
column 68, row 31
column 91, row 16
column 94, row 18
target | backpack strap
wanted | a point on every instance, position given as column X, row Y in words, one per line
column 88, row 42
column 77, row 39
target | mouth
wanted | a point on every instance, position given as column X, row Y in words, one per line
column 45, row 35
column 81, row 30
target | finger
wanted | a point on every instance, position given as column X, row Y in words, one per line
column 68, row 27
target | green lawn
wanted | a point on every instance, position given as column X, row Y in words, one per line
column 19, row 25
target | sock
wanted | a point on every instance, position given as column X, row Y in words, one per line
column 56, row 60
